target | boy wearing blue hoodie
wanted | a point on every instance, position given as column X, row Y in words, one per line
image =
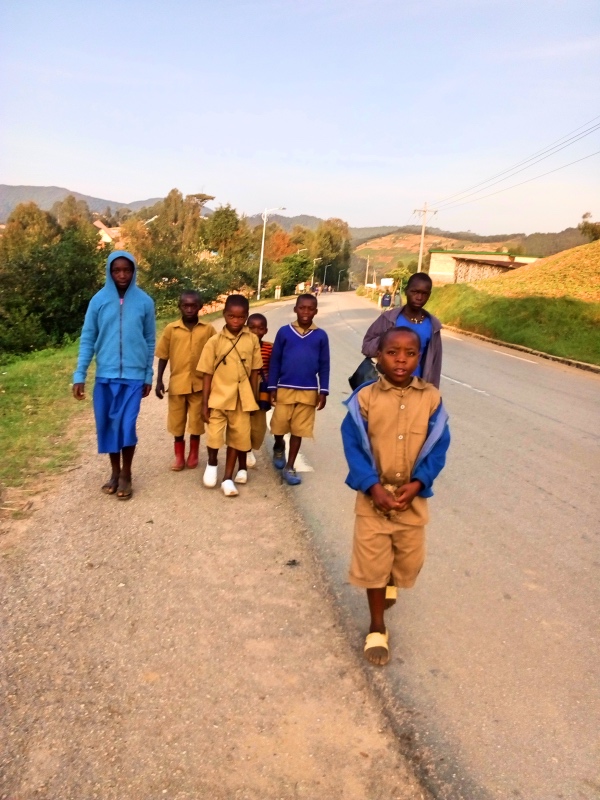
column 395, row 437
column 120, row 331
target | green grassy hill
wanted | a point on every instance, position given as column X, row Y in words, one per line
column 552, row 305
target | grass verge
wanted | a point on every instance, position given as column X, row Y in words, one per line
column 40, row 422
column 561, row 326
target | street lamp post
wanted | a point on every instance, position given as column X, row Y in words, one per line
column 265, row 216
column 325, row 274
column 312, row 280
column 339, row 276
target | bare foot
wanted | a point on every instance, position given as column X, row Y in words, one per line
column 125, row 489
column 376, row 649
column 111, row 485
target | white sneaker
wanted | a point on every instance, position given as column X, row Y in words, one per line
column 250, row 460
column 229, row 489
column 210, row 476
column 241, row 476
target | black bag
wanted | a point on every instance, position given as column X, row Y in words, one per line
column 366, row 371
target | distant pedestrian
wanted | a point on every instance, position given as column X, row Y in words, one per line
column 298, row 382
column 230, row 362
column 257, row 324
column 412, row 315
column 120, row 331
column 386, row 300
column 181, row 346
column 395, row 437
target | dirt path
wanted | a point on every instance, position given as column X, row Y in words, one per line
column 179, row 646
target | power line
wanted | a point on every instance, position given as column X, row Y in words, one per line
column 514, row 186
column 517, row 171
column 552, row 146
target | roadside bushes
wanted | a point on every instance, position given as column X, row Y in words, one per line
column 561, row 326
column 47, row 275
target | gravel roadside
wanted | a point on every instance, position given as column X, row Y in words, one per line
column 181, row 645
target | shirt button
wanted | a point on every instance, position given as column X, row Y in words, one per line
column 401, row 437
column 402, row 406
column 398, row 474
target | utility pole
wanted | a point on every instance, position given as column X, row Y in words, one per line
column 423, row 211
column 367, row 272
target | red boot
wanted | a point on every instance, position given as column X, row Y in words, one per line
column 179, row 462
column 192, row 461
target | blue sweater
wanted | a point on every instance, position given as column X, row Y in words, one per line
column 361, row 463
column 300, row 362
column 120, row 332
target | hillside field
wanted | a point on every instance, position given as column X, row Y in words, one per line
column 552, row 305
column 385, row 252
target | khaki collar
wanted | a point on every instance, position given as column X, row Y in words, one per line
column 416, row 383
column 181, row 324
column 303, row 331
column 228, row 335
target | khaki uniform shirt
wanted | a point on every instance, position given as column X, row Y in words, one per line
column 182, row 348
column 309, row 397
column 231, row 378
column 397, row 422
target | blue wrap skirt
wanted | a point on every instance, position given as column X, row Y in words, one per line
column 116, row 408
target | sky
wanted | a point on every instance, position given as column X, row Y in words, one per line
column 359, row 109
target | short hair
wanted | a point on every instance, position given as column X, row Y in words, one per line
column 419, row 276
column 257, row 318
column 191, row 293
column 237, row 301
column 400, row 329
column 310, row 297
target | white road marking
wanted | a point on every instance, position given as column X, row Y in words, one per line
column 466, row 385
column 301, row 464
column 449, row 336
column 519, row 358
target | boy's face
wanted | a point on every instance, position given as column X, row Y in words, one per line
column 306, row 310
column 399, row 357
column 257, row 327
column 189, row 305
column 235, row 318
column 418, row 294
column 121, row 270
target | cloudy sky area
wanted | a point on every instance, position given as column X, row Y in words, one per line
column 361, row 109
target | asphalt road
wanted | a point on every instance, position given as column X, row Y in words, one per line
column 494, row 682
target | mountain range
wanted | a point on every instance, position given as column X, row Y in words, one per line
column 540, row 244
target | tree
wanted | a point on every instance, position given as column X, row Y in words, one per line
column 70, row 210
column 589, row 228
column 48, row 275
column 292, row 270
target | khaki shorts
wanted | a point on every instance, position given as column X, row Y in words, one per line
column 258, row 428
column 185, row 408
column 382, row 548
column 229, row 427
column 295, row 418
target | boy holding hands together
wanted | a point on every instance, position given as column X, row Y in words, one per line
column 395, row 437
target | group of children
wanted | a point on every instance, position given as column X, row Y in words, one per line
column 395, row 433
column 228, row 381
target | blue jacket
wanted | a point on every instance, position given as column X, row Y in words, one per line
column 357, row 449
column 120, row 332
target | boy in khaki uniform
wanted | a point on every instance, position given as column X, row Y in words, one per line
column 181, row 344
column 231, row 362
column 395, row 437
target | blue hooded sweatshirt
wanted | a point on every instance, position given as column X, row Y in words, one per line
column 119, row 331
